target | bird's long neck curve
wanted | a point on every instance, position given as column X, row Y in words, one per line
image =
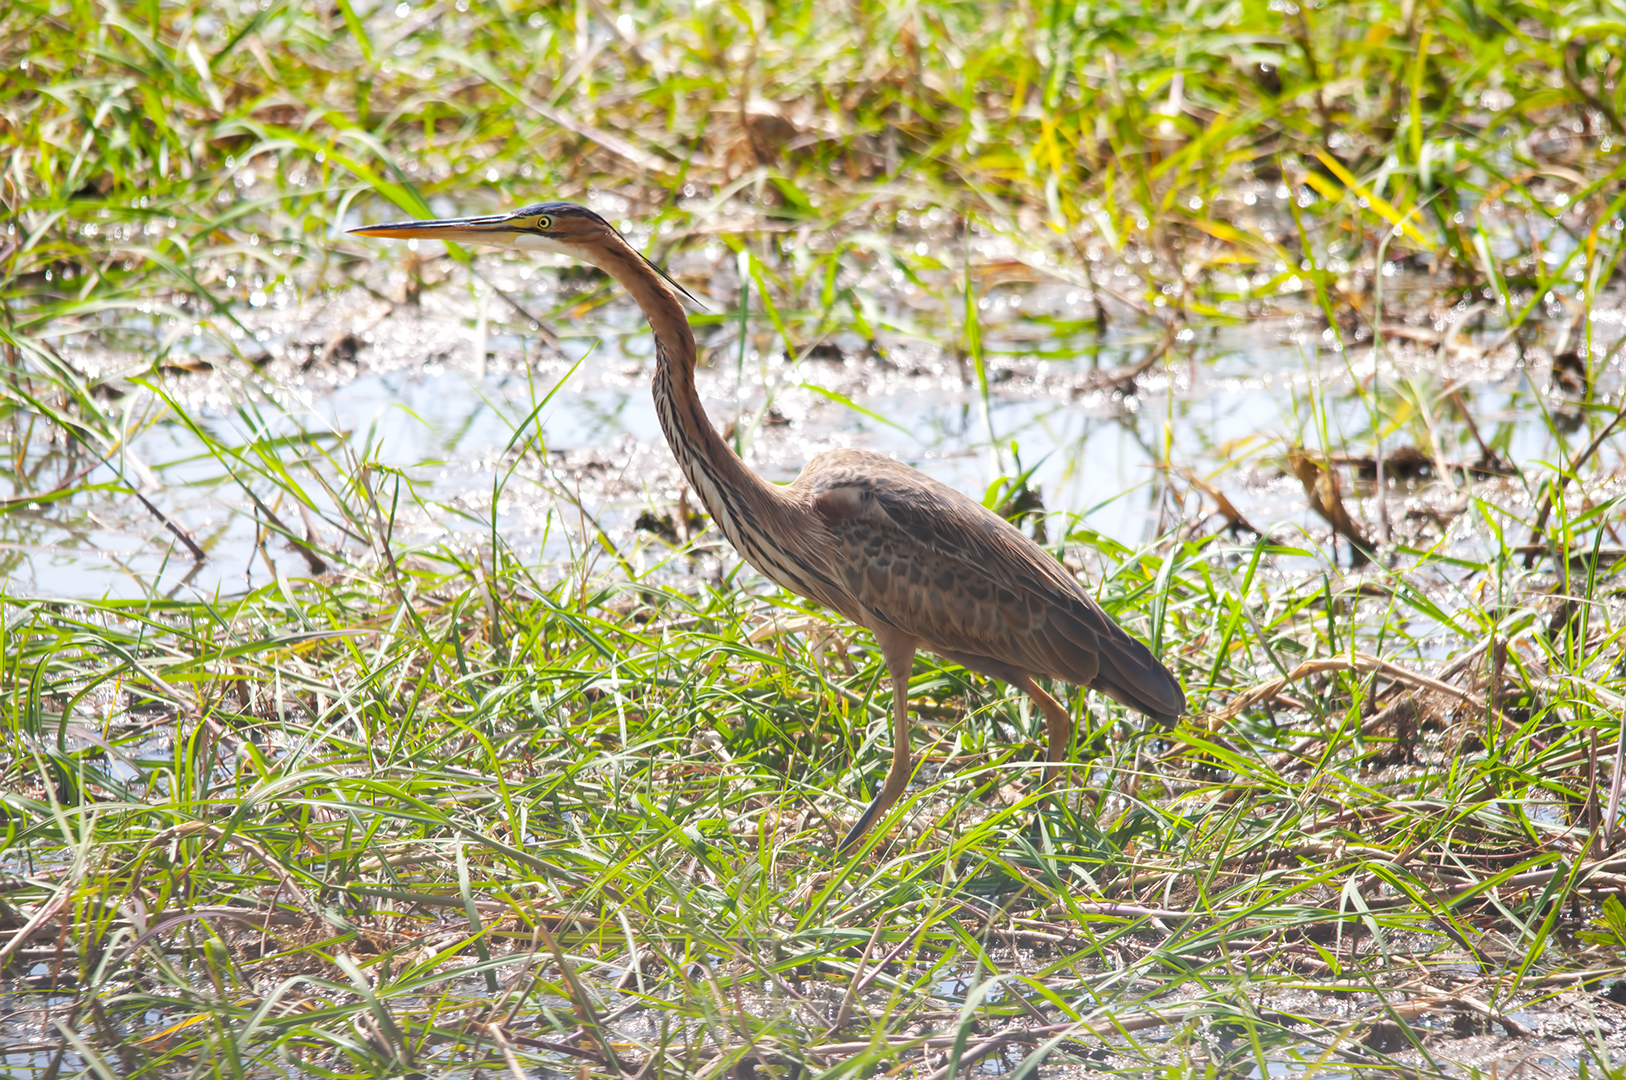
column 745, row 506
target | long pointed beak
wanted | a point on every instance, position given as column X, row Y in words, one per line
column 472, row 230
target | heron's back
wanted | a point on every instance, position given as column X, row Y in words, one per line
column 921, row 557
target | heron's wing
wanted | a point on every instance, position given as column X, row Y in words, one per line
column 931, row 562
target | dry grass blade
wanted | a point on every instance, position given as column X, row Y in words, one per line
column 1360, row 662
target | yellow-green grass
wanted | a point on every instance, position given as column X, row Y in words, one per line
column 436, row 810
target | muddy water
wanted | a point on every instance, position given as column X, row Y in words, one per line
column 435, row 393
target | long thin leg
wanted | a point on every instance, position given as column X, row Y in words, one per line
column 899, row 652
column 1060, row 726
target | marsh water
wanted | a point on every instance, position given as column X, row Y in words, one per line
column 1126, row 427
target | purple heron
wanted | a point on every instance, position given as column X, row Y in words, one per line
column 912, row 560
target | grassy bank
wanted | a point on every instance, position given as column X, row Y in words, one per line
column 434, row 807
column 428, row 822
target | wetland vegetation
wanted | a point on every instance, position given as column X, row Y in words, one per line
column 376, row 701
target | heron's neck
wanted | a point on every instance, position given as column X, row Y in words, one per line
column 733, row 494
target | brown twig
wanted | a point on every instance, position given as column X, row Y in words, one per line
column 585, row 1013
column 1321, row 488
column 198, row 554
column 1233, row 517
column 1489, row 459
column 313, row 556
column 1544, row 508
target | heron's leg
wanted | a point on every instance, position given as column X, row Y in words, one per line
column 1059, row 723
column 899, row 652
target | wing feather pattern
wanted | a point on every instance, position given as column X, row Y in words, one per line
column 925, row 559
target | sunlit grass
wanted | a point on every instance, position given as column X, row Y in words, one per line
column 279, row 818
column 434, row 809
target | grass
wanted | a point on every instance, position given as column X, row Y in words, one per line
column 436, row 807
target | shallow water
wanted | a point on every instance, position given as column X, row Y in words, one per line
column 407, row 391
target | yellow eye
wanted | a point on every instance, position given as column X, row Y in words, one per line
column 544, row 223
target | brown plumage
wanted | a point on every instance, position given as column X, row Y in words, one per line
column 914, row 561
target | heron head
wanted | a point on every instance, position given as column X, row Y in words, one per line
column 559, row 227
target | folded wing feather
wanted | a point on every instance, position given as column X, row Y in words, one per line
column 927, row 560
